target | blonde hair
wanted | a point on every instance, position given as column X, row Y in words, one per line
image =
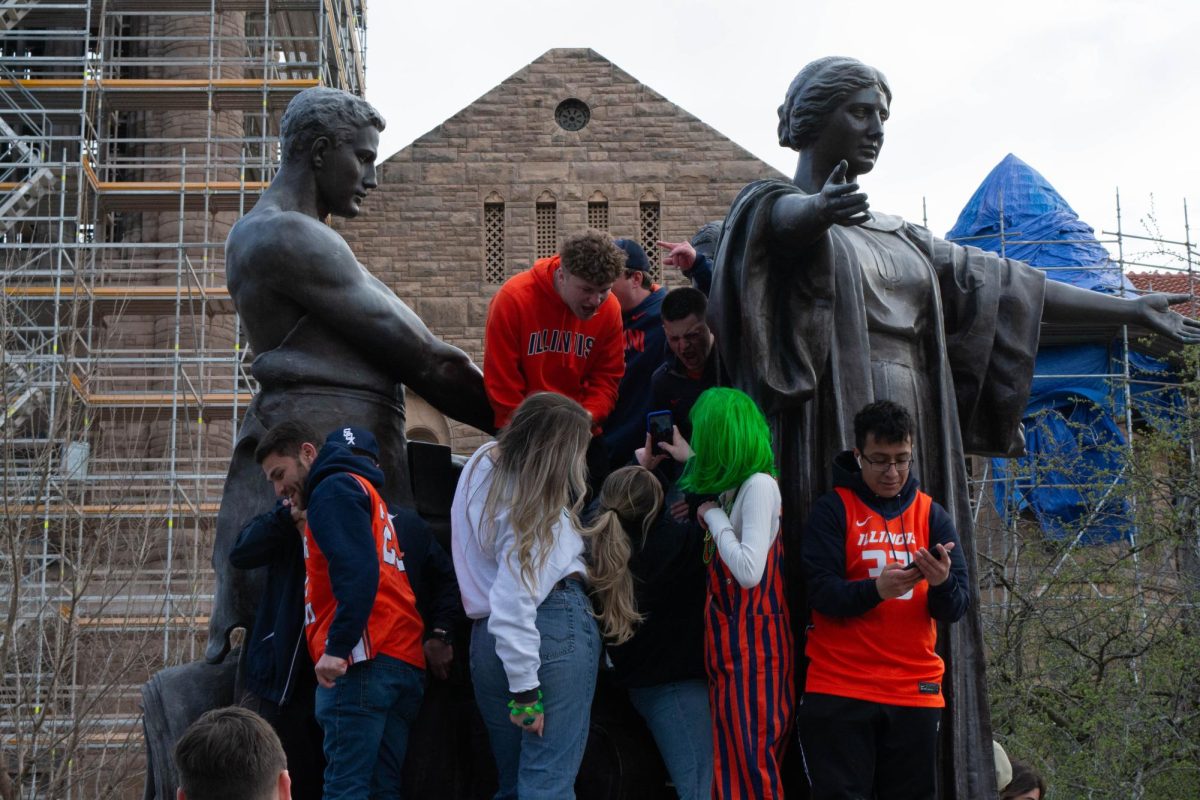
column 630, row 498
column 540, row 470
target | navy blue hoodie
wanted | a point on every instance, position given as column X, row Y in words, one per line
column 701, row 273
column 823, row 550
column 645, row 349
column 339, row 515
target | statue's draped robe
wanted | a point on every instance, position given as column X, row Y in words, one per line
column 882, row 311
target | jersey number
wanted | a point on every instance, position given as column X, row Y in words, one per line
column 390, row 554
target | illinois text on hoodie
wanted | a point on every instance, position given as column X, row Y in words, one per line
column 534, row 343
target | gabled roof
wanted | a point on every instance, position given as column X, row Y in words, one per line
column 514, row 121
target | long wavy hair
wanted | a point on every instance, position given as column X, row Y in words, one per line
column 540, row 470
column 630, row 500
column 730, row 442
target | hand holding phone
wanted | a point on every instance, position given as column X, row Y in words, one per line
column 935, row 563
column 933, row 551
column 661, row 427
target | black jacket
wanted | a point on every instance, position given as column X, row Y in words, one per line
column 430, row 572
column 276, row 656
column 672, row 390
column 823, row 550
column 668, row 579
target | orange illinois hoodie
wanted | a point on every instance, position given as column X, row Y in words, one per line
column 534, row 343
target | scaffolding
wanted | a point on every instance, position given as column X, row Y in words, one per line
column 1144, row 259
column 133, row 133
column 1090, row 644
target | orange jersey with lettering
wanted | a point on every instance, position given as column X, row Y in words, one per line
column 887, row 654
column 394, row 627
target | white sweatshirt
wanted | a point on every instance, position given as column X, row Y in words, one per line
column 745, row 535
column 489, row 576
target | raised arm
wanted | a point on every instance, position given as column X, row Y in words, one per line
column 694, row 266
column 801, row 218
column 267, row 537
column 1070, row 305
column 745, row 551
column 319, row 273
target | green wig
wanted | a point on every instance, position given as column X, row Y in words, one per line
column 730, row 442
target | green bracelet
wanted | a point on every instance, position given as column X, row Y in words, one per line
column 517, row 711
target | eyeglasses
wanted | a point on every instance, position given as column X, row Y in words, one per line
column 882, row 465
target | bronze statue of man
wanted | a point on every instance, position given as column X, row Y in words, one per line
column 822, row 306
column 332, row 344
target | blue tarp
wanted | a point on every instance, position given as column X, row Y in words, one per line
column 1073, row 472
column 1034, row 212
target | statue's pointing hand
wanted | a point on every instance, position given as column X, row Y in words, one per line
column 1156, row 316
column 841, row 202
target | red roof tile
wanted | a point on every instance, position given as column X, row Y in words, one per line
column 1174, row 282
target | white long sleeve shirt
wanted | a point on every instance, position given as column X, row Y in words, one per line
column 489, row 575
column 744, row 536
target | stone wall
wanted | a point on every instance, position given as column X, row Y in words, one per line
column 422, row 231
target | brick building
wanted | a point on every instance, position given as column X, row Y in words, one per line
column 570, row 141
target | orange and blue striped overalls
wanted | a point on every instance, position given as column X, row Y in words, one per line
column 749, row 660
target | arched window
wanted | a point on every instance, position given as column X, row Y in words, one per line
column 493, row 239
column 649, row 215
column 597, row 215
column 546, row 240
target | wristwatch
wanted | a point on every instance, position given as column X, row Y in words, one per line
column 442, row 635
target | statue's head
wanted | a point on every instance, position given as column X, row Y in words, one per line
column 324, row 112
column 820, row 88
column 705, row 240
column 336, row 136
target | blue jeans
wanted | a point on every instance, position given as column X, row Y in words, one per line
column 534, row 767
column 678, row 716
column 366, row 717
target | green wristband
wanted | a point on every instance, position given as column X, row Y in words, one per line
column 517, row 711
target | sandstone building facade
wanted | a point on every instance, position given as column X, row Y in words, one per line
column 570, row 141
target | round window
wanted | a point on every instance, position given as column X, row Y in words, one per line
column 572, row 114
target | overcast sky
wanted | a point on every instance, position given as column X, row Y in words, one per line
column 1094, row 95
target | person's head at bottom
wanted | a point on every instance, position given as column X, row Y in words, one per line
column 231, row 754
column 1026, row 784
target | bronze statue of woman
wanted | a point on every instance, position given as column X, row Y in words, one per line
column 821, row 306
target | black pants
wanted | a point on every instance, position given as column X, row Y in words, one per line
column 857, row 750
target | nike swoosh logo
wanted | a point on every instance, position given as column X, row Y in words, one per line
column 636, row 317
column 864, row 522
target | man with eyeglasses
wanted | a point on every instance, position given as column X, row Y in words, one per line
column 882, row 568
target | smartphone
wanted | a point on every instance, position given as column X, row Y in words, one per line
column 933, row 551
column 660, row 425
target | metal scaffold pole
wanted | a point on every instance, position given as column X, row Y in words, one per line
column 125, row 336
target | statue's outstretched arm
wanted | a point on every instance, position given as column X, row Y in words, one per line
column 801, row 218
column 323, row 276
column 1070, row 305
